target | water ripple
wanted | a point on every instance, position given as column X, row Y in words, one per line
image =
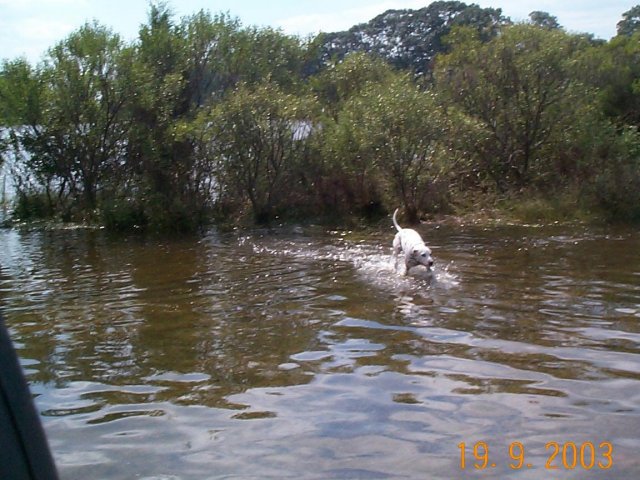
column 259, row 353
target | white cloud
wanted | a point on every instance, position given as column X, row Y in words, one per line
column 577, row 16
column 41, row 29
column 29, row 4
column 32, row 36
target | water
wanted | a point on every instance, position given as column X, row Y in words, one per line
column 304, row 353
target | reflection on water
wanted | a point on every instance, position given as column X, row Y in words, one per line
column 304, row 354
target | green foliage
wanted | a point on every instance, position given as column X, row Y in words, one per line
column 260, row 135
column 83, row 119
column 20, row 104
column 630, row 23
column 544, row 20
column 339, row 81
column 411, row 39
column 615, row 186
column 183, row 71
column 20, row 94
column 157, row 160
column 397, row 130
column 520, row 87
column 68, row 127
column 32, row 206
column 614, row 70
column 122, row 215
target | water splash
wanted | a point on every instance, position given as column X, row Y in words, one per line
column 374, row 264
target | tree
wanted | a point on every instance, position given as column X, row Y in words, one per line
column 259, row 135
column 20, row 106
column 211, row 44
column 630, row 22
column 70, row 114
column 410, row 39
column 544, row 20
column 184, row 69
column 614, row 70
column 180, row 68
column 398, row 129
column 220, row 54
column 88, row 91
column 270, row 54
column 154, row 155
column 343, row 79
column 522, row 88
column 20, row 94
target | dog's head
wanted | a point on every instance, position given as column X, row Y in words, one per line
column 422, row 256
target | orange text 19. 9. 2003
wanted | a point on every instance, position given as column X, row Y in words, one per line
column 557, row 455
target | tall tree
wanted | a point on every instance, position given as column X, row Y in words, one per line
column 522, row 89
column 88, row 93
column 410, row 39
column 73, row 127
column 260, row 134
column 21, row 92
column 185, row 68
column 630, row 22
column 348, row 77
column 158, row 158
column 544, row 20
column 399, row 130
column 614, row 70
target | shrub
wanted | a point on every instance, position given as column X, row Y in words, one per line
column 617, row 187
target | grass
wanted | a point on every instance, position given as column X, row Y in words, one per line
column 540, row 208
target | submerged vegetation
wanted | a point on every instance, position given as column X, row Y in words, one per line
column 202, row 118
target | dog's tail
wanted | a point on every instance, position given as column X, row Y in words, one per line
column 395, row 222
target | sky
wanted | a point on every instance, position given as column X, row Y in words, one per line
column 29, row 27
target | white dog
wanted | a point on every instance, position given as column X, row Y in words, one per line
column 408, row 242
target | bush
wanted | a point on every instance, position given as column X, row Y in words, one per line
column 617, row 187
column 123, row 215
column 32, row 206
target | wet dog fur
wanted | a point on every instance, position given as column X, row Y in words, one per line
column 409, row 243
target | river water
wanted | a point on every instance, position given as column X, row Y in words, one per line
column 304, row 354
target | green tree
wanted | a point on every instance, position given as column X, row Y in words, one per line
column 522, row 88
column 85, row 124
column 211, row 44
column 20, row 94
column 260, row 135
column 154, row 156
column 180, row 67
column 270, row 54
column 614, row 70
column 616, row 183
column 544, row 20
column 344, row 175
column 630, row 22
column 343, row 79
column 183, row 69
column 72, row 130
column 411, row 39
column 398, row 130
column 220, row 54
